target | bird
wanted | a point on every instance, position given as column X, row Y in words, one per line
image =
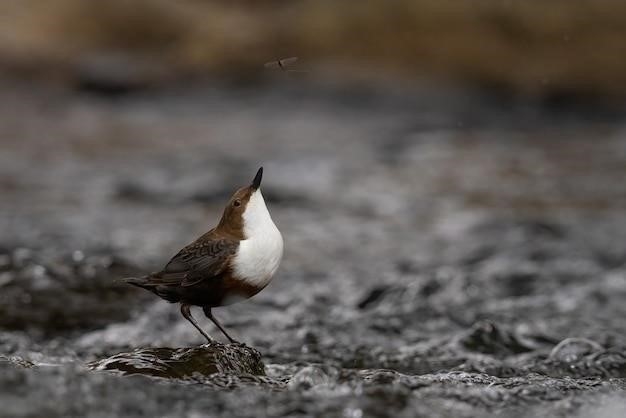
column 232, row 262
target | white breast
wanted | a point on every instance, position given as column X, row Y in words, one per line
column 260, row 253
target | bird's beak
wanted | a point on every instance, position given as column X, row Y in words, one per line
column 256, row 183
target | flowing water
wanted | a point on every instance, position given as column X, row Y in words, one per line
column 446, row 254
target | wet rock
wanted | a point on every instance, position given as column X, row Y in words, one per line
column 486, row 337
column 17, row 361
column 571, row 350
column 312, row 376
column 604, row 364
column 185, row 363
column 583, row 359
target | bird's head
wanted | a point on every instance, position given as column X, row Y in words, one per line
column 246, row 212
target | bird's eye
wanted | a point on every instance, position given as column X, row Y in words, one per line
column 237, row 203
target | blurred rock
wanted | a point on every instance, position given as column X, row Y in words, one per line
column 313, row 376
column 486, row 337
column 56, row 293
column 571, row 350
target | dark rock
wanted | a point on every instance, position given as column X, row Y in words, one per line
column 16, row 361
column 485, row 337
column 602, row 364
column 185, row 363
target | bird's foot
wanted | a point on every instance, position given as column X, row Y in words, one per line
column 209, row 342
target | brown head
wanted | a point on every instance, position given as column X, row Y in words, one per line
column 232, row 221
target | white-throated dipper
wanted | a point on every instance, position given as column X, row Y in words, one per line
column 232, row 262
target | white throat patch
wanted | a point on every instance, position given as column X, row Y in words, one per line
column 260, row 253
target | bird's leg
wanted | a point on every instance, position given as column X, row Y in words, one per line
column 184, row 309
column 209, row 314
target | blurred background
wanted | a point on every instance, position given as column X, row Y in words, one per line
column 448, row 177
column 533, row 48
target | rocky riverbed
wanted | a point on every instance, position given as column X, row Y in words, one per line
column 447, row 253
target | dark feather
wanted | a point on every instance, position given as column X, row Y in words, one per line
column 203, row 259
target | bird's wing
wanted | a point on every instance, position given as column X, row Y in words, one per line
column 203, row 259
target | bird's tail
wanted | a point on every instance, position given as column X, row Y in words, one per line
column 137, row 281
